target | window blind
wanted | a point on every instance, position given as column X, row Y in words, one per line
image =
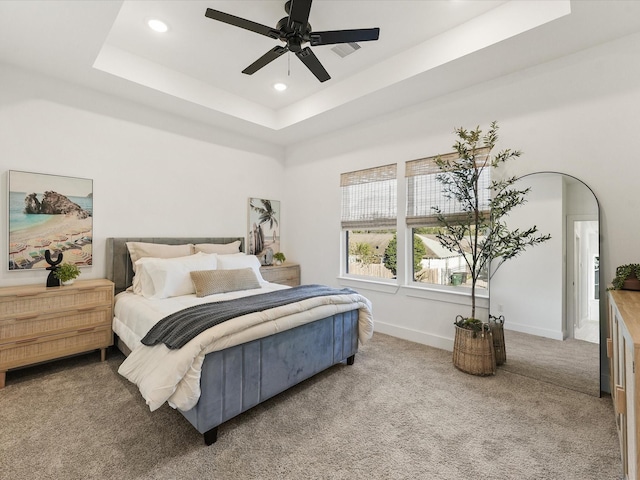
column 369, row 198
column 425, row 191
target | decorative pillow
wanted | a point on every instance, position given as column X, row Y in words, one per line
column 138, row 250
column 208, row 282
column 170, row 276
column 219, row 248
column 240, row 260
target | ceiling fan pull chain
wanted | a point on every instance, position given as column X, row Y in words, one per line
column 289, row 64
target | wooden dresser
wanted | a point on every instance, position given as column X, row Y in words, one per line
column 285, row 274
column 38, row 324
column 623, row 350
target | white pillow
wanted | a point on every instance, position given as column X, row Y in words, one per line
column 138, row 250
column 240, row 260
column 171, row 276
column 142, row 283
column 219, row 248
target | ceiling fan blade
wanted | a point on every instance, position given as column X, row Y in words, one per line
column 242, row 23
column 299, row 14
column 313, row 64
column 267, row 58
column 344, row 36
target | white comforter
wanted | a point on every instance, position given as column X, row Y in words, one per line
column 173, row 376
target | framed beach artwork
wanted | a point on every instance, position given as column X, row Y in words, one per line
column 264, row 227
column 49, row 212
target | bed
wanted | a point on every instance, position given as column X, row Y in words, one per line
column 234, row 366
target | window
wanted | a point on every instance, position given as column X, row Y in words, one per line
column 425, row 196
column 369, row 211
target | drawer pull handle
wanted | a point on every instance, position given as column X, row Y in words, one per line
column 86, row 309
column 609, row 347
column 28, row 340
column 27, row 317
column 84, row 330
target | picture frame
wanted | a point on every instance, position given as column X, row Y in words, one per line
column 263, row 227
column 48, row 212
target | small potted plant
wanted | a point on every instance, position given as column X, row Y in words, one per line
column 279, row 258
column 627, row 277
column 66, row 273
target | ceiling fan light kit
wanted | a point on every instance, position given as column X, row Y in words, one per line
column 295, row 31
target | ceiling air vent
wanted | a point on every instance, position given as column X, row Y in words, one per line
column 344, row 49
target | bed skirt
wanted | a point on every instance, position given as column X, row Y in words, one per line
column 240, row 377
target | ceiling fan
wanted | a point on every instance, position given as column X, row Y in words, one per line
column 294, row 30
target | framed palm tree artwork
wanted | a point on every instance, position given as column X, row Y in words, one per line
column 264, row 227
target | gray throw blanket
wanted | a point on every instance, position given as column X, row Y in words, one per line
column 177, row 329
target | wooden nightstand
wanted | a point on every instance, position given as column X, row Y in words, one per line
column 285, row 274
column 38, row 324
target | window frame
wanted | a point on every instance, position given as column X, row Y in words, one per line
column 404, row 225
column 369, row 191
column 344, row 264
column 425, row 171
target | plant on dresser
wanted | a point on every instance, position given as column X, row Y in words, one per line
column 67, row 273
column 279, row 257
column 39, row 324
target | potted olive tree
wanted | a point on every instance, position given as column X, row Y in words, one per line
column 478, row 231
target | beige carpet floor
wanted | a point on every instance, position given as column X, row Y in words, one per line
column 572, row 363
column 402, row 411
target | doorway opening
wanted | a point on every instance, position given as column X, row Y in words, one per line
column 584, row 295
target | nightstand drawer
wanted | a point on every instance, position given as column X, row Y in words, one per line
column 58, row 300
column 37, row 350
column 285, row 274
column 33, row 325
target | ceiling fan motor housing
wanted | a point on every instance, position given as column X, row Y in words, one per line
column 293, row 38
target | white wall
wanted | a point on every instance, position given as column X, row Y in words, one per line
column 577, row 115
column 153, row 175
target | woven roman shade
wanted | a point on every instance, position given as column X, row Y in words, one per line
column 425, row 191
column 369, row 198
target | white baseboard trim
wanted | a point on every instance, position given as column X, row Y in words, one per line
column 539, row 332
column 417, row 336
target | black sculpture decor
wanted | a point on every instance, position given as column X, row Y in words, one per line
column 52, row 280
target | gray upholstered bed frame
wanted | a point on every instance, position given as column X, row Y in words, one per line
column 239, row 378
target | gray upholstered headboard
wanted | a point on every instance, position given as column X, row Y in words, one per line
column 119, row 267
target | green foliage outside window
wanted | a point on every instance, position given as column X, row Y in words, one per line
column 391, row 254
column 363, row 252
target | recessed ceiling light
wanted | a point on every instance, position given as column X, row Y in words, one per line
column 157, row 25
column 281, row 87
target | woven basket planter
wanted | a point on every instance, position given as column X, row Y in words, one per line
column 473, row 352
column 496, row 324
